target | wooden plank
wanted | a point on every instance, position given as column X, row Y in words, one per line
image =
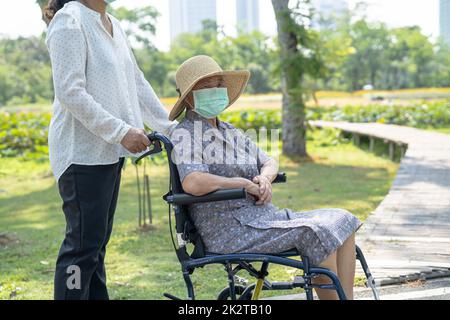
column 391, row 151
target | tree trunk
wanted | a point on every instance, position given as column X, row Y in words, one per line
column 294, row 129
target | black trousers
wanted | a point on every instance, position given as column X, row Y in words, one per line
column 89, row 194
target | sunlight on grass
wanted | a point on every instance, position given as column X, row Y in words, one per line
column 440, row 130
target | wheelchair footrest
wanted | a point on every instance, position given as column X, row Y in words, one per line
column 282, row 286
column 298, row 282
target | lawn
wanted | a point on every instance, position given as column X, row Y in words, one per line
column 142, row 264
column 404, row 97
column 440, row 130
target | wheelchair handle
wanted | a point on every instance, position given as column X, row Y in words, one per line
column 155, row 140
column 219, row 195
column 280, row 178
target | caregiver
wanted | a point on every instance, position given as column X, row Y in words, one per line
column 101, row 102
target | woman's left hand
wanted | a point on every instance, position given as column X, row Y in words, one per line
column 265, row 189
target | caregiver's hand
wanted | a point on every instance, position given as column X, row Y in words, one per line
column 135, row 140
column 265, row 189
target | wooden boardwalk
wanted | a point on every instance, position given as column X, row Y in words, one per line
column 407, row 237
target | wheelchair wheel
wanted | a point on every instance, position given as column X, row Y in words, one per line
column 226, row 295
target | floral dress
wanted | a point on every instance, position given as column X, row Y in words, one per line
column 241, row 226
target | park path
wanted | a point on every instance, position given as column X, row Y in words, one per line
column 407, row 237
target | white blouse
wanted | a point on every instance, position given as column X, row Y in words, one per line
column 100, row 92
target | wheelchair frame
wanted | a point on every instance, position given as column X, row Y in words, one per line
column 186, row 233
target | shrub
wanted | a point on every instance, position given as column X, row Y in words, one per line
column 426, row 115
column 24, row 134
column 253, row 119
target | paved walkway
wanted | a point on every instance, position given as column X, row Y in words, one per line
column 408, row 236
column 438, row 289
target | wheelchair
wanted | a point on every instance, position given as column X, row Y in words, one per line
column 238, row 287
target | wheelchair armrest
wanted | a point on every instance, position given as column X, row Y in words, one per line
column 219, row 195
column 281, row 178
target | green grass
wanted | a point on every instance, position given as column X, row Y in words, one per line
column 142, row 264
column 32, row 107
column 440, row 130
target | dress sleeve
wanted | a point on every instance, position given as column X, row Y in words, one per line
column 250, row 146
column 68, row 50
column 153, row 112
column 186, row 154
column 261, row 156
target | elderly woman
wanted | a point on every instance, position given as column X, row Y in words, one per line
column 209, row 158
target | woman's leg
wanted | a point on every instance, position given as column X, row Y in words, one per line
column 87, row 193
column 342, row 262
column 331, row 264
column 97, row 286
column 346, row 263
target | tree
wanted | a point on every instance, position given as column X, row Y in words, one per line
column 298, row 57
column 365, row 65
column 155, row 65
column 140, row 27
column 140, row 23
column 336, row 46
column 25, row 73
column 251, row 51
column 410, row 56
column 441, row 70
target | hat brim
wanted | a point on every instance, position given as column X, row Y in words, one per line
column 234, row 81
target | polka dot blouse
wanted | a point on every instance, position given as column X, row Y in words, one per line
column 100, row 92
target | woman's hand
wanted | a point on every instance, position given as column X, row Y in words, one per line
column 264, row 188
column 135, row 140
column 252, row 188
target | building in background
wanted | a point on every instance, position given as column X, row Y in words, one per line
column 247, row 15
column 444, row 20
column 187, row 15
column 329, row 8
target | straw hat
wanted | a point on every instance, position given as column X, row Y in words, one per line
column 200, row 67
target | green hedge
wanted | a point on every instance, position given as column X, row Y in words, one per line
column 25, row 133
column 253, row 119
column 427, row 115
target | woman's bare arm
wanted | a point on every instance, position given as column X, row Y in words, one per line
column 270, row 169
column 201, row 183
